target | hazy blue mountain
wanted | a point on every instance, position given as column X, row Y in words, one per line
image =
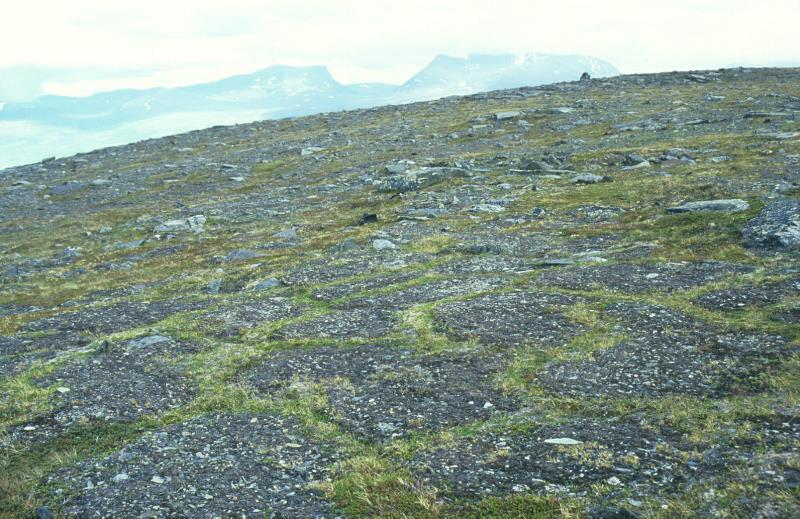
column 274, row 92
column 447, row 75
column 783, row 63
column 59, row 125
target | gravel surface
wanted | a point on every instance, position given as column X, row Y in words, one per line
column 642, row 278
column 512, row 319
column 383, row 393
column 212, row 466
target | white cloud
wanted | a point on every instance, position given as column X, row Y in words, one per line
column 183, row 42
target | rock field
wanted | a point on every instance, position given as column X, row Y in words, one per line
column 574, row 300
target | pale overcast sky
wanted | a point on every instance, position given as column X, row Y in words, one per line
column 107, row 44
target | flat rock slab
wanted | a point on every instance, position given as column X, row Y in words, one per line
column 510, row 320
column 382, row 393
column 425, row 293
column 121, row 383
column 726, row 206
column 748, row 296
column 665, row 277
column 114, row 318
column 360, row 323
column 233, row 319
column 498, row 463
column 777, row 226
column 235, row 465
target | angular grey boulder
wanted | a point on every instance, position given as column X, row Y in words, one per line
column 193, row 223
column 267, row 284
column 777, row 226
column 241, row 255
column 589, row 178
column 383, row 245
column 287, row 234
column 733, row 205
column 502, row 116
column 150, row 340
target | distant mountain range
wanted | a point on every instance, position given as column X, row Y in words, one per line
column 58, row 125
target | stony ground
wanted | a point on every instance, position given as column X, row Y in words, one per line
column 576, row 300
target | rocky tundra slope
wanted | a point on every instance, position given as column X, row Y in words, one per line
column 575, row 300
